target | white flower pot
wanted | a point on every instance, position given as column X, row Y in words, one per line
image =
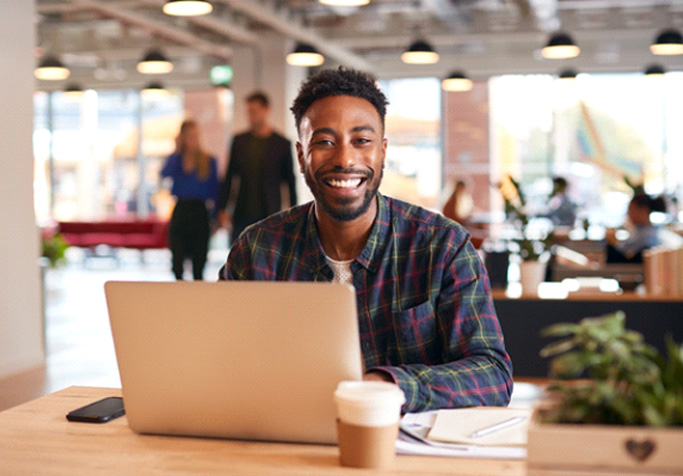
column 531, row 274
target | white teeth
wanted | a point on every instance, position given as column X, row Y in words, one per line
column 344, row 183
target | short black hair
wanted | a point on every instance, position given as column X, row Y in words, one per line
column 260, row 97
column 654, row 204
column 338, row 82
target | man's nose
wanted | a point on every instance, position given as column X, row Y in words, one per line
column 346, row 155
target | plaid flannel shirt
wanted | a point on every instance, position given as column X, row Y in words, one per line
column 425, row 312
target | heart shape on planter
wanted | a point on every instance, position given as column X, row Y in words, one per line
column 640, row 450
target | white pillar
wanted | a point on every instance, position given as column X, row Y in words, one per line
column 21, row 321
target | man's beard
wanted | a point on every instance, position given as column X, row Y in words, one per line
column 341, row 209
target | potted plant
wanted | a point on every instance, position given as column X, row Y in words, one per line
column 625, row 414
column 531, row 244
column 54, row 248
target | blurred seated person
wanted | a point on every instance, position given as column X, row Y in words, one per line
column 643, row 234
column 459, row 205
column 561, row 208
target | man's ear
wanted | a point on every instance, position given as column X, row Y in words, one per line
column 300, row 156
column 385, row 142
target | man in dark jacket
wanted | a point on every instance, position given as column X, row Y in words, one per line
column 260, row 161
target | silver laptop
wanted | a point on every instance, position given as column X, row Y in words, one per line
column 247, row 360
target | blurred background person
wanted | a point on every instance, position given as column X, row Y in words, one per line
column 260, row 163
column 459, row 205
column 643, row 233
column 195, row 185
column 561, row 208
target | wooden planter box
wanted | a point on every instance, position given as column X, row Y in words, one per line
column 600, row 450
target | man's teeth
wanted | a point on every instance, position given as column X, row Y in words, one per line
column 344, row 183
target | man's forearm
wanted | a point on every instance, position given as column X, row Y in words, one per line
column 472, row 381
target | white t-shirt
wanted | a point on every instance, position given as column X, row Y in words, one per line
column 342, row 271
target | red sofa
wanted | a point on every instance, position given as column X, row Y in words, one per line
column 137, row 234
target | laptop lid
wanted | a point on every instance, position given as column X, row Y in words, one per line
column 236, row 359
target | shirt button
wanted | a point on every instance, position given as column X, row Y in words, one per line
column 366, row 345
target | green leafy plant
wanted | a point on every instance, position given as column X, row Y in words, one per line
column 532, row 244
column 624, row 380
column 54, row 249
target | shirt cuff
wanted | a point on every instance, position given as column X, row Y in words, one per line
column 405, row 381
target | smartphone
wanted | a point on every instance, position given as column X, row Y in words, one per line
column 100, row 411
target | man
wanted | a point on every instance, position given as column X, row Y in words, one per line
column 260, row 162
column 426, row 318
column 562, row 210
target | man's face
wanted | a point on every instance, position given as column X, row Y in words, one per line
column 257, row 114
column 341, row 152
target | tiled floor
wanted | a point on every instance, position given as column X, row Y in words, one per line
column 79, row 346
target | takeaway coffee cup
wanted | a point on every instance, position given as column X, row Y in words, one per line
column 367, row 422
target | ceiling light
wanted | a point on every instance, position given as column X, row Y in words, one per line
column 420, row 52
column 305, row 55
column 560, row 46
column 568, row 74
column 187, row 8
column 654, row 70
column 154, row 92
column 51, row 69
column 668, row 42
column 74, row 91
column 155, row 62
column 456, row 81
column 345, row 3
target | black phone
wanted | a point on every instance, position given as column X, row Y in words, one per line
column 100, row 411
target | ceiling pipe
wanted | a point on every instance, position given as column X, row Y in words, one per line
column 293, row 29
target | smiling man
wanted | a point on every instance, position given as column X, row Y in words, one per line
column 425, row 313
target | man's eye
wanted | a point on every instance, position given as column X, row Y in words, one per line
column 323, row 142
column 362, row 140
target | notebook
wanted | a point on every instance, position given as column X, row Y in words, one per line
column 246, row 360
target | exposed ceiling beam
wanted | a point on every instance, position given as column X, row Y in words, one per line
column 223, row 27
column 292, row 28
column 172, row 33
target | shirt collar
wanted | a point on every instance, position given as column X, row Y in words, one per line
column 369, row 257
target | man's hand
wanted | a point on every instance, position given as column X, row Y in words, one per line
column 225, row 219
column 377, row 377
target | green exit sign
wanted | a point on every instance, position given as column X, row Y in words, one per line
column 221, row 75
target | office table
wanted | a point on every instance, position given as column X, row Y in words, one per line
column 37, row 439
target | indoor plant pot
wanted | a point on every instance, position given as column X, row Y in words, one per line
column 531, row 274
column 626, row 418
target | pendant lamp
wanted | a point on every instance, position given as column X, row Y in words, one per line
column 654, row 70
column 187, row 8
column 345, row 3
column 154, row 62
column 74, row 91
column 560, row 46
column 568, row 74
column 420, row 52
column 668, row 42
column 51, row 69
column 154, row 91
column 305, row 55
column 456, row 82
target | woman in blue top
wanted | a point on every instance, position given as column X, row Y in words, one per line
column 195, row 185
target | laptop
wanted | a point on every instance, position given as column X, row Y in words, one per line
column 248, row 360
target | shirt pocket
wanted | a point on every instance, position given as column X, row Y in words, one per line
column 414, row 339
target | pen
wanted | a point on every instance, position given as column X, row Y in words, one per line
column 497, row 427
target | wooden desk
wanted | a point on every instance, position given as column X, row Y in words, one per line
column 36, row 438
